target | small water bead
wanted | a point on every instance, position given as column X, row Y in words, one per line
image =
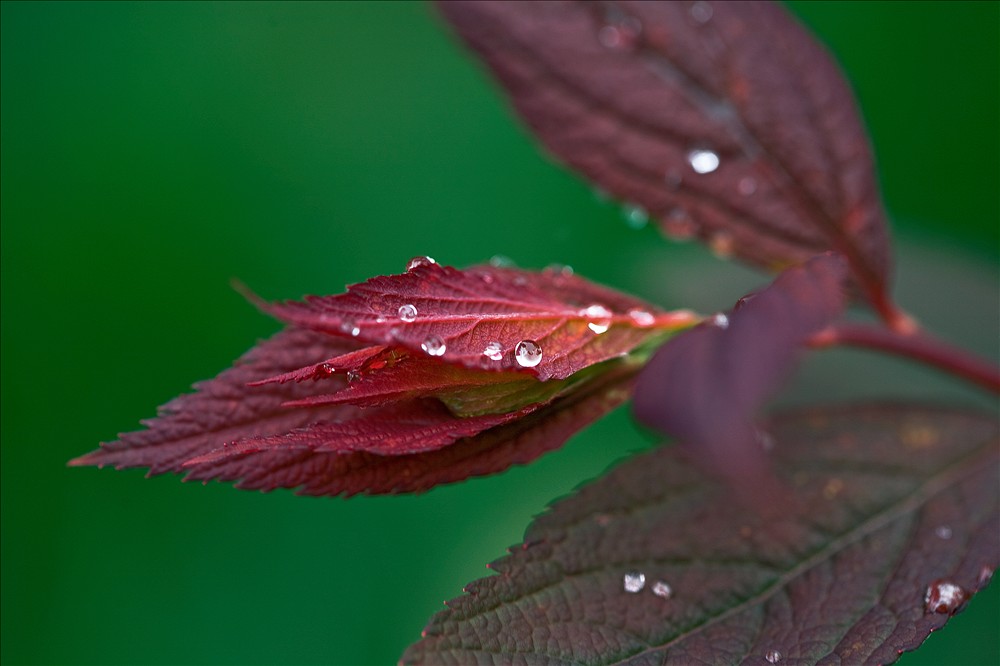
column 434, row 346
column 985, row 575
column 562, row 270
column 944, row 597
column 527, row 353
column 323, row 370
column 349, row 327
column 353, row 376
column 417, row 262
column 679, row 226
column 635, row 216
column 407, row 313
column 703, row 161
column 722, row 244
column 746, row 186
column 772, row 656
column 641, row 318
column 663, row 589
column 501, row 261
column 493, row 351
column 622, row 35
column 943, row 532
column 599, row 318
column 634, row 581
column 720, row 320
column 701, row 12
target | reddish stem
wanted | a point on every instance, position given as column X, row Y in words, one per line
column 917, row 346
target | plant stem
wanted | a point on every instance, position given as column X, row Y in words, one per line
column 916, row 346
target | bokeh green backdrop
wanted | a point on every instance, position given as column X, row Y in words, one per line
column 150, row 152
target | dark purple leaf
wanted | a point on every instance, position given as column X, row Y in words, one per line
column 723, row 120
column 890, row 529
column 704, row 386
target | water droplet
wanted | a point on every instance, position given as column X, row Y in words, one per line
column 562, row 270
column 679, row 226
column 985, row 575
column 703, row 161
column 634, row 581
column 720, row 320
column 434, row 346
column 943, row 532
column 501, row 261
column 944, row 597
column 701, row 12
column 493, row 351
column 635, row 216
column 323, row 370
column 746, row 186
column 353, row 376
column 527, row 353
column 662, row 589
column 417, row 262
column 349, row 327
column 622, row 35
column 407, row 312
column 721, row 244
column 641, row 318
column 772, row 656
column 598, row 318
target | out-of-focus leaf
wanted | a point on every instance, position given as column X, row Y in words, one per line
column 548, row 324
column 723, row 120
column 705, row 386
column 891, row 527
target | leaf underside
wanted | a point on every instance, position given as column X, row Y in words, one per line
column 889, row 502
column 630, row 94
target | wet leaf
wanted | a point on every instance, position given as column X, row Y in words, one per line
column 705, row 386
column 376, row 414
column 890, row 528
column 723, row 120
column 480, row 317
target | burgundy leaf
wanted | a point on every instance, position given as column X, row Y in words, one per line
column 724, row 120
column 224, row 410
column 518, row 442
column 705, row 386
column 548, row 324
column 891, row 529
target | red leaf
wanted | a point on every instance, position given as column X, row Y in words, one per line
column 471, row 317
column 705, row 386
column 893, row 525
column 725, row 120
column 282, row 419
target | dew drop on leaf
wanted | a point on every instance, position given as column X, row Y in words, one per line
column 634, row 581
column 944, row 597
column 701, row 12
column 721, row 244
column 943, row 532
column 407, row 312
column 323, row 370
column 746, row 186
column 678, row 225
column 493, row 351
column 663, row 589
column 527, row 353
column 720, row 320
column 501, row 261
column 772, row 656
column 434, row 346
column 703, row 161
column 598, row 318
column 985, row 575
column 353, row 376
column 417, row 262
column 622, row 35
column 641, row 318
column 561, row 270
column 349, row 327
column 635, row 216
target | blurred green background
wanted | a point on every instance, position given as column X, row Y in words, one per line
column 150, row 152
